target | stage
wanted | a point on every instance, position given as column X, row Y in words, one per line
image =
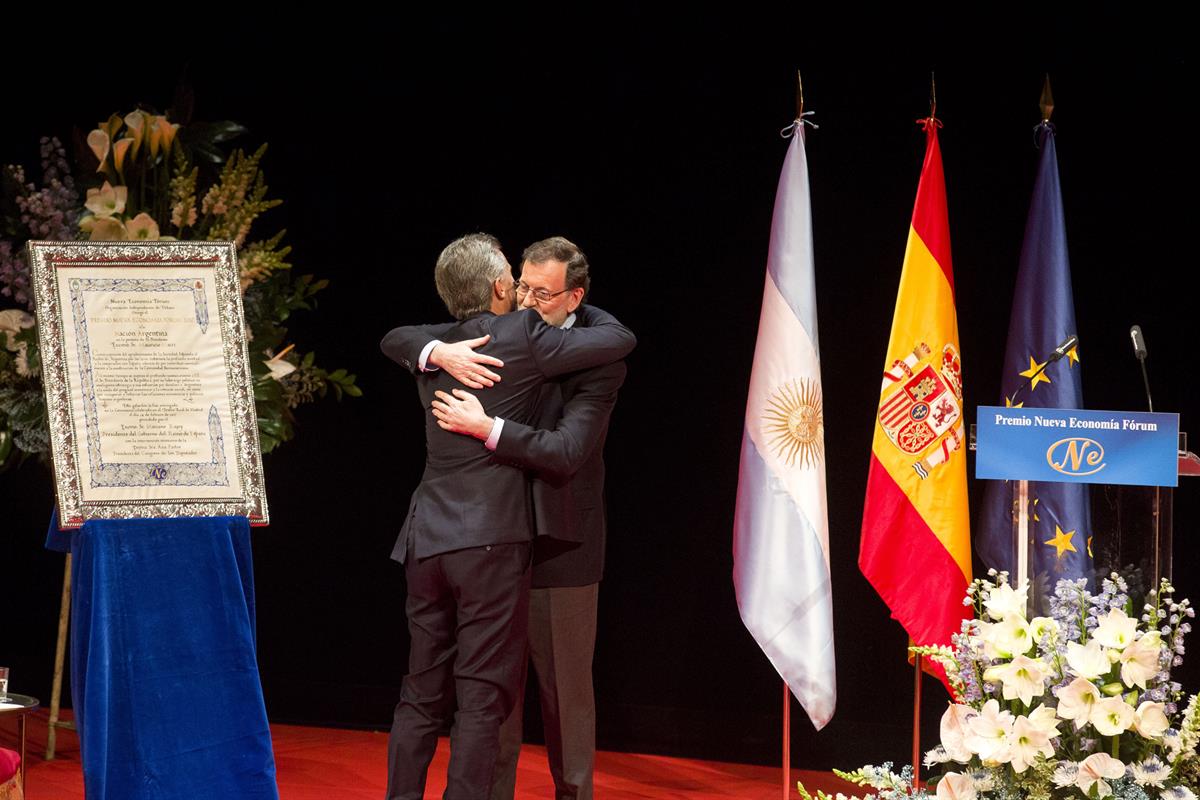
column 336, row 764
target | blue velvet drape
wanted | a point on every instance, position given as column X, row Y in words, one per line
column 164, row 674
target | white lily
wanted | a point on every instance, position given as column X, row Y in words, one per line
column 1023, row 677
column 1112, row 716
column 1040, row 626
column 1139, row 661
column 1093, row 771
column 1006, row 639
column 1076, row 699
column 1088, row 661
column 107, row 200
column 1116, row 630
column 1044, row 719
column 1005, row 602
column 989, row 733
column 1027, row 740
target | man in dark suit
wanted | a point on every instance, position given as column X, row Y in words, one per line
column 563, row 449
column 465, row 543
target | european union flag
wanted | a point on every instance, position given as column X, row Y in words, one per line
column 1043, row 316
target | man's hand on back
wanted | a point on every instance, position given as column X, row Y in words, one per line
column 464, row 364
column 462, row 413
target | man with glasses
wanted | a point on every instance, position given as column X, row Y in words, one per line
column 465, row 540
column 563, row 449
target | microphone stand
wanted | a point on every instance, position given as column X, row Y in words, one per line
column 1156, row 509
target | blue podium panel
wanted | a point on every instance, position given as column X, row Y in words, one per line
column 164, row 672
column 1076, row 446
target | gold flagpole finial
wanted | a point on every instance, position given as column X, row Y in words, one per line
column 799, row 96
column 1047, row 101
column 932, row 95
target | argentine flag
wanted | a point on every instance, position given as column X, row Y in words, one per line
column 781, row 529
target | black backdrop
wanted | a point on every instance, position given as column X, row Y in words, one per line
column 653, row 142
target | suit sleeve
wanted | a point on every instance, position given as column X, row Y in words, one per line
column 562, row 451
column 403, row 345
column 557, row 351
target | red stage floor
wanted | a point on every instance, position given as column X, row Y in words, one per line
column 334, row 764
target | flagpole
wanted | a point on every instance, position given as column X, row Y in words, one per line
column 932, row 95
column 916, row 751
column 1022, row 490
column 787, row 740
column 916, row 739
column 1046, row 101
column 787, row 693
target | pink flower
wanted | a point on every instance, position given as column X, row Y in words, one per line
column 1150, row 720
column 1094, row 769
column 99, row 142
column 142, row 226
column 954, row 786
column 104, row 229
column 954, row 731
column 107, row 200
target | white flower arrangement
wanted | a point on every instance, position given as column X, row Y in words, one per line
column 1079, row 704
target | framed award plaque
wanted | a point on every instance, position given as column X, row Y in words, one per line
column 147, row 377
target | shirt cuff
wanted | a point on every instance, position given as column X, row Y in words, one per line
column 425, row 351
column 494, row 437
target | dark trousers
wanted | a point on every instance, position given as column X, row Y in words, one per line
column 468, row 612
column 562, row 639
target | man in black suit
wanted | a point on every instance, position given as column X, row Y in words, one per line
column 563, row 449
column 465, row 543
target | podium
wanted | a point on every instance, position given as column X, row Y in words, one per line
column 1130, row 462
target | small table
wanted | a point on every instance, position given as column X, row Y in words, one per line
column 20, row 706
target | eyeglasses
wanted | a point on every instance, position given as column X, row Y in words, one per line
column 539, row 295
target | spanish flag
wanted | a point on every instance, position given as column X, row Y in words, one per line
column 916, row 541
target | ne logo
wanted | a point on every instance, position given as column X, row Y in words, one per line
column 1076, row 456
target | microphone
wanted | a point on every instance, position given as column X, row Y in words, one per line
column 1139, row 350
column 1139, row 342
column 1068, row 343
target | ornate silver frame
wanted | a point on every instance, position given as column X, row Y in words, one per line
column 67, row 423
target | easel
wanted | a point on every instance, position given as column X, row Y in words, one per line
column 60, row 649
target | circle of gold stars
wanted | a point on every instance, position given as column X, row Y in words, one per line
column 795, row 424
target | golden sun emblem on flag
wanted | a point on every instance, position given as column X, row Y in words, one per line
column 794, row 423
